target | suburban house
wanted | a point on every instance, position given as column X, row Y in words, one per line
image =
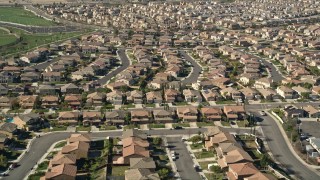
column 68, row 117
column 115, row 97
column 140, row 116
column 27, row 101
column 293, row 112
column 79, row 149
column 214, row 140
column 241, row 170
column 51, row 76
column 154, row 97
column 211, row 95
column 211, row 113
column 231, row 93
column 143, row 163
column 311, row 111
column 234, row 112
column 114, row 117
column 187, row 113
column 135, row 97
column 62, row 171
column 96, row 99
column 285, row 92
column 91, row 118
column 171, row 95
column 268, row 94
column 263, row 83
column 3, row 90
column 6, row 102
column 47, row 90
column 141, row 173
column 50, row 101
column 28, row 122
column 249, row 93
column 233, row 157
column 62, row 159
column 73, row 101
column 192, row 95
column 163, row 116
column 70, row 89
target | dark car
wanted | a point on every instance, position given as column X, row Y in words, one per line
column 232, row 123
column 178, row 127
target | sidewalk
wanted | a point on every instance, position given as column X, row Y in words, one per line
column 194, row 160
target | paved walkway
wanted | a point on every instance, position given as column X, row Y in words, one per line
column 193, row 124
column 94, row 129
column 144, row 127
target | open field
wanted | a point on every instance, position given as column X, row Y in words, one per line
column 30, row 41
column 21, row 16
column 6, row 38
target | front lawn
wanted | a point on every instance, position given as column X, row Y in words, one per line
column 36, row 176
column 155, row 126
column 59, row 128
column 225, row 123
column 242, row 123
column 151, row 105
column 60, row 144
column 215, row 176
column 107, row 127
column 180, row 103
column 204, row 165
column 204, row 154
column 83, row 128
column 43, row 166
column 196, row 146
column 225, row 102
column 119, row 170
column 202, row 124
column 130, row 126
column 180, row 124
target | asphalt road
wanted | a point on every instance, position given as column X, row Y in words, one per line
column 184, row 162
column 196, row 69
column 45, row 64
column 281, row 151
column 124, row 65
column 275, row 75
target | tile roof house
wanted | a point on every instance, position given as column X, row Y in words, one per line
column 49, row 101
column 9, row 129
column 268, row 94
column 140, row 116
column 51, row 76
column 96, row 99
column 63, row 171
column 234, row 112
column 187, row 113
column 79, row 137
column 220, row 137
column 70, row 89
column 250, row 93
column 260, row 176
column 6, row 102
column 28, row 122
column 234, row 157
column 211, row 113
column 171, row 95
column 46, row 90
column 140, row 174
column 91, row 118
column 79, row 149
column 142, row 163
column 263, row 83
column 27, row 101
column 133, row 133
column 60, row 158
column 163, row 116
column 3, row 90
column 114, row 117
column 225, row 147
column 68, row 117
column 192, row 95
column 285, row 92
column 135, row 97
column 154, row 97
column 231, row 93
column 241, row 170
column 311, row 111
column 73, row 101
column 115, row 97
column 211, row 95
column 134, row 151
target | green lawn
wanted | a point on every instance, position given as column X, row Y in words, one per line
column 107, row 127
column 156, row 126
column 130, row 126
column 7, row 39
column 181, row 124
column 52, row 154
column 119, row 170
column 202, row 124
column 36, row 176
column 225, row 102
column 204, row 165
column 196, row 146
column 30, row 41
column 215, row 176
column 21, row 16
column 83, row 128
column 225, row 123
column 59, row 128
column 180, row 103
column 60, row 144
column 204, row 154
column 242, row 123
column 43, row 166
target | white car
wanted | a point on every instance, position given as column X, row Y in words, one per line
column 262, row 113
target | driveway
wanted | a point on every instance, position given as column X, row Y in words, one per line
column 184, row 161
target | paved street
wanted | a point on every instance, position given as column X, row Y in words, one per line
column 281, row 151
column 184, row 162
column 48, row 29
column 196, row 70
column 40, row 146
column 125, row 62
column 43, row 65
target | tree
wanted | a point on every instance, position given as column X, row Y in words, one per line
column 163, row 173
column 157, row 141
column 195, row 139
column 216, row 169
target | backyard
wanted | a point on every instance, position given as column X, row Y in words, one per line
column 21, row 16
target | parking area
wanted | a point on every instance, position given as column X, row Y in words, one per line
column 184, row 162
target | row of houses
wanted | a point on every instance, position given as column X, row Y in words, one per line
column 64, row 164
column 232, row 158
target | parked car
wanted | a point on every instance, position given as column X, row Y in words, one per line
column 262, row 113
